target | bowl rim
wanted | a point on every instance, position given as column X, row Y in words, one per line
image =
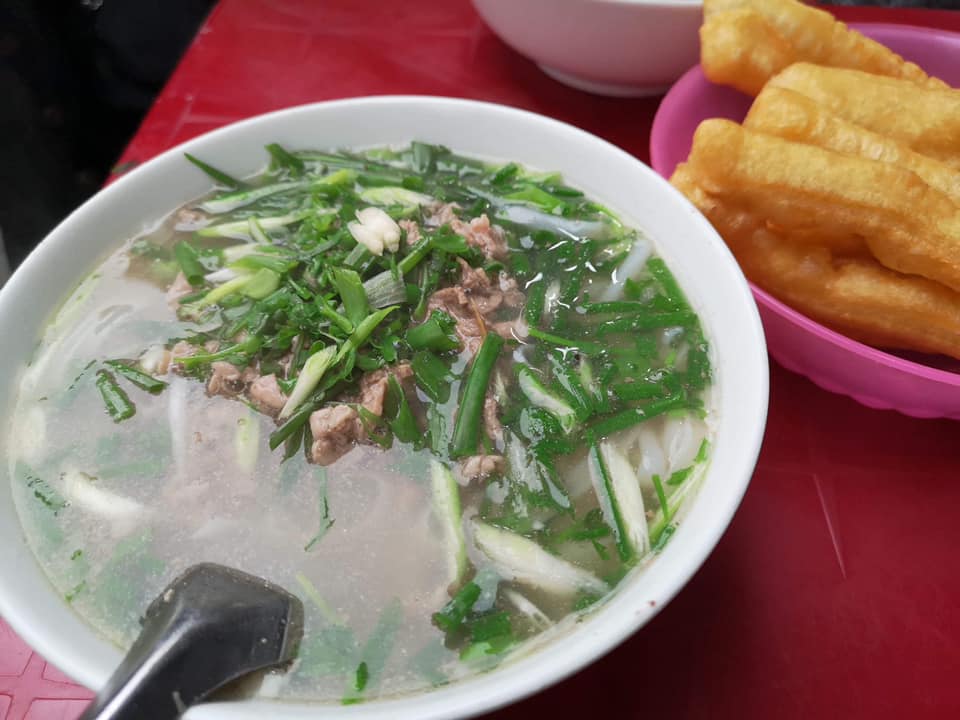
column 659, row 131
column 593, row 638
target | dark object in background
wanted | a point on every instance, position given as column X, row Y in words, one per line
column 77, row 77
column 211, row 625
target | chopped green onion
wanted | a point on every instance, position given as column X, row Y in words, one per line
column 189, row 261
column 308, row 379
column 283, row 158
column 466, row 429
column 586, row 346
column 217, row 175
column 451, row 617
column 352, row 294
column 537, row 394
column 260, row 284
column 232, row 201
column 432, row 375
column 140, row 379
column 437, row 333
column 118, row 404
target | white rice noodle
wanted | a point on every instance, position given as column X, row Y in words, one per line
column 30, row 435
column 525, row 215
column 680, row 440
column 535, row 614
column 177, row 419
column 630, row 267
column 124, row 513
column 653, row 460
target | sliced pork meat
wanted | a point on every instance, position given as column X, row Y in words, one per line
column 478, row 232
column 412, row 231
column 491, row 419
column 471, row 313
column 481, row 466
column 226, row 379
column 179, row 288
column 265, row 394
column 481, row 234
column 443, row 215
column 454, row 301
column 335, row 429
column 374, row 385
column 512, row 294
column 474, row 280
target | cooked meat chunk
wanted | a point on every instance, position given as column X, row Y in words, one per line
column 265, row 394
column 226, row 379
column 473, row 279
column 443, row 215
column 178, row 288
column 479, row 232
column 468, row 310
column 491, row 419
column 454, row 301
column 335, row 429
column 512, row 294
column 373, row 385
column 190, row 219
column 412, row 230
column 481, row 466
column 476, row 283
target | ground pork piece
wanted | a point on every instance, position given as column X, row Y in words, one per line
column 178, row 288
column 265, row 394
column 412, row 230
column 226, row 379
column 335, row 429
column 491, row 419
column 481, row 466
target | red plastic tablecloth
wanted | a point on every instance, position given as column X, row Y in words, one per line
column 835, row 592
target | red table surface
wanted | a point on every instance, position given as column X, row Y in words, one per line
column 835, row 592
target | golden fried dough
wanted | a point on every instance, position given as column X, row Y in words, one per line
column 795, row 117
column 855, row 296
column 738, row 49
column 745, row 42
column 926, row 120
column 907, row 225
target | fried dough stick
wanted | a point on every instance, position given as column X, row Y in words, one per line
column 746, row 42
column 925, row 120
column 795, row 117
column 855, row 296
column 906, row 225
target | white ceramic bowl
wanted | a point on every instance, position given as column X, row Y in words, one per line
column 697, row 255
column 610, row 47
